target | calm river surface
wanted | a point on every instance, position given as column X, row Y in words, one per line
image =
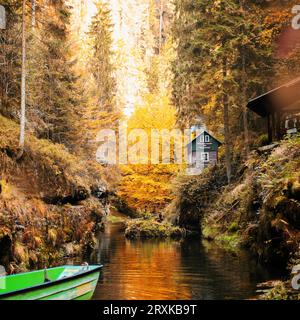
column 188, row 269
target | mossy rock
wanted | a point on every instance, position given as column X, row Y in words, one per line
column 149, row 229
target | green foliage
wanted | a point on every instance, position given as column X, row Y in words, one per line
column 228, row 239
column 55, row 97
column 101, row 58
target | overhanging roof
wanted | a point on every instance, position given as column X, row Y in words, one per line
column 283, row 98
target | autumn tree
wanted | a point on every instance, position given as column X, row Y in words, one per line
column 10, row 55
column 23, row 82
column 146, row 186
column 101, row 66
column 54, row 98
column 220, row 59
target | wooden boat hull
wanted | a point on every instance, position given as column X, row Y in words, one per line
column 78, row 285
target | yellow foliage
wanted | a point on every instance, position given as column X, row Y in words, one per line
column 38, row 241
column 155, row 113
column 52, row 236
column 6, row 189
column 146, row 187
column 20, row 253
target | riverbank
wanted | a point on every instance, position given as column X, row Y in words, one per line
column 51, row 202
column 259, row 211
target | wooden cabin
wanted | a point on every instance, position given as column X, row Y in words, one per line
column 281, row 108
column 203, row 150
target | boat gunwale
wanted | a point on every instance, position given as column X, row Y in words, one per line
column 54, row 282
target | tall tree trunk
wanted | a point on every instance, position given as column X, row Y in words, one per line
column 23, row 83
column 161, row 23
column 244, row 92
column 244, row 102
column 33, row 13
column 226, row 124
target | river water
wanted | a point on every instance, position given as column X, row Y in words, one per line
column 187, row 269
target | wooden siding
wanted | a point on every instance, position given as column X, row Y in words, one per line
column 213, row 157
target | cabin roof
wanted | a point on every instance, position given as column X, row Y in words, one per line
column 200, row 134
column 283, row 98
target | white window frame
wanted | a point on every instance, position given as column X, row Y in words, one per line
column 207, row 138
column 205, row 156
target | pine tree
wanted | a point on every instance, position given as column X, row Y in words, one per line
column 218, row 52
column 100, row 37
column 101, row 110
column 54, row 97
column 23, row 82
column 10, row 55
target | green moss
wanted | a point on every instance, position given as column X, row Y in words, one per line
column 115, row 219
column 233, row 227
column 229, row 241
column 209, row 232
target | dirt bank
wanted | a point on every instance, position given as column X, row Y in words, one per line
column 51, row 202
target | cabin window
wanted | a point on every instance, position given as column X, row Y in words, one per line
column 205, row 156
column 207, row 139
column 202, row 138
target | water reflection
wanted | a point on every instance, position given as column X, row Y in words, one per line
column 190, row 269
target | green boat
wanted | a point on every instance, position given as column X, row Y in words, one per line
column 61, row 283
